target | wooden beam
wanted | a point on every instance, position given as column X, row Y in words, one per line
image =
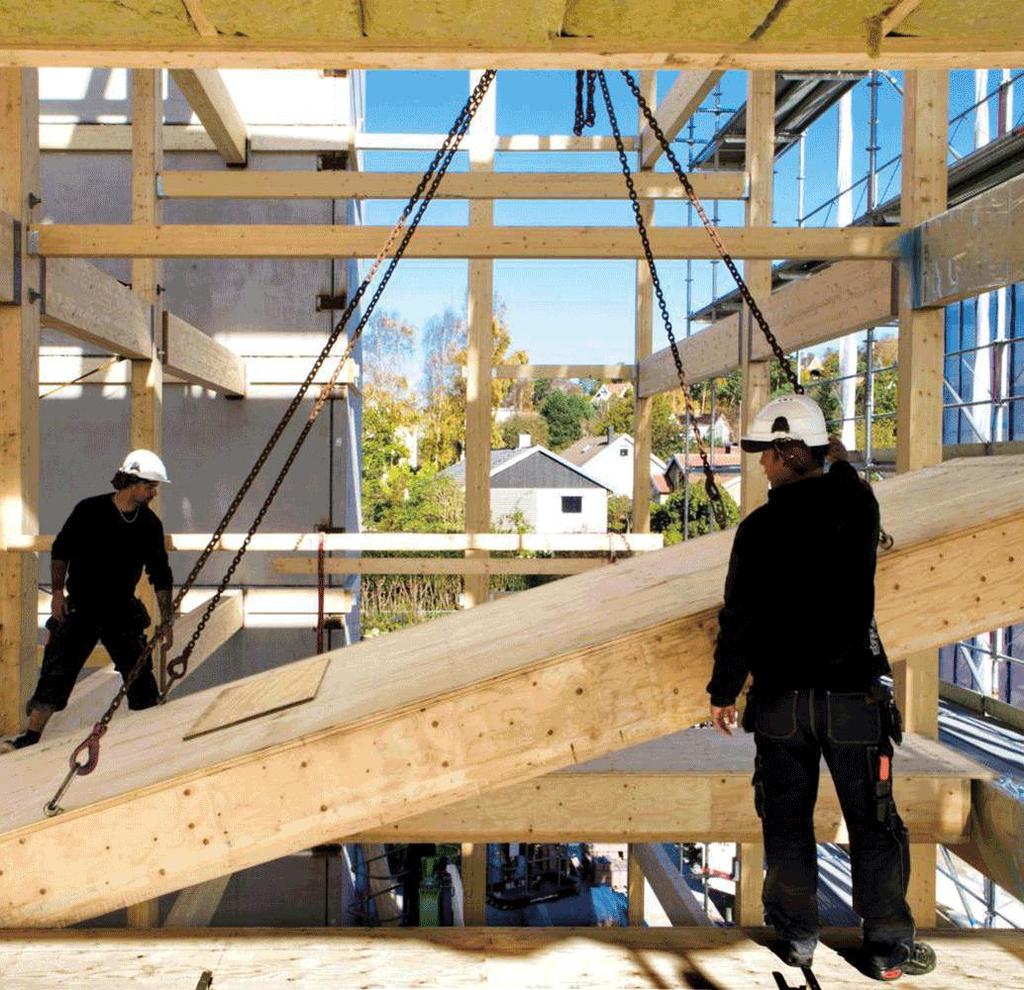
column 838, row 300
column 590, row 680
column 674, row 112
column 296, row 241
column 997, row 823
column 200, row 21
column 636, row 889
column 666, row 53
column 473, row 871
column 19, row 404
column 196, row 358
column 10, row 258
column 438, row 565
column 690, row 786
column 883, row 24
column 493, row 959
column 972, row 248
column 479, row 347
column 195, row 907
column 755, row 374
column 599, row 372
column 983, row 704
column 85, row 302
column 677, row 900
column 294, row 138
column 211, row 102
column 456, row 185
column 643, row 344
column 398, row 542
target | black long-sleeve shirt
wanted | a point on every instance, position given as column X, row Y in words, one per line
column 800, row 592
column 106, row 552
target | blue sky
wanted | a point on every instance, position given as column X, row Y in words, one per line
column 582, row 311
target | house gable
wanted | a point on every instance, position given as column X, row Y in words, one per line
column 540, row 470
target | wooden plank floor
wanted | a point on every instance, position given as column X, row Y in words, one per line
column 521, row 958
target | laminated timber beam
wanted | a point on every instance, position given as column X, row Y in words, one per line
column 89, row 304
column 838, row 300
column 439, row 565
column 691, row 786
column 599, row 372
column 679, row 903
column 10, row 250
column 457, row 185
column 489, row 697
column 211, row 102
column 674, row 112
column 801, row 53
column 294, row 241
column 196, row 358
column 972, row 248
column 488, row 958
column 997, row 824
column 400, row 542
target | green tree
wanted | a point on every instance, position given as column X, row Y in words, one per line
column 620, row 513
column 672, row 519
column 532, row 423
column 666, row 433
column 565, row 415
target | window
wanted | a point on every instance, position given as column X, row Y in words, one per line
column 572, row 503
column 623, row 452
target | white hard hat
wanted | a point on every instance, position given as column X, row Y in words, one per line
column 789, row 417
column 146, row 465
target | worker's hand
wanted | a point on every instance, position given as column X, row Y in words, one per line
column 836, row 450
column 723, row 719
column 58, row 607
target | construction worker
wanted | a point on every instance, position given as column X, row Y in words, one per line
column 799, row 618
column 99, row 555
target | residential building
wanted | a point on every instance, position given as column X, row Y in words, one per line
column 609, row 459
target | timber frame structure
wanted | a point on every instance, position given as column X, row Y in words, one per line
column 579, row 728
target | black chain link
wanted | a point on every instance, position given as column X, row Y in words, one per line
column 755, row 310
column 178, row 667
column 584, row 118
column 710, row 486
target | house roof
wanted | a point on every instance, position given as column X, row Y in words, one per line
column 587, row 448
column 504, row 459
column 661, row 485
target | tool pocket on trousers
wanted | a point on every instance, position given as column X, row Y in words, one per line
column 775, row 717
column 853, row 718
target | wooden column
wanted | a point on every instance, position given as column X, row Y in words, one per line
column 635, row 886
column 758, row 274
column 644, row 337
column 19, row 403
column 147, row 390
column 480, row 350
column 919, row 402
column 748, row 909
column 474, row 884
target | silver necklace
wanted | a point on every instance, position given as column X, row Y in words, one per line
column 123, row 516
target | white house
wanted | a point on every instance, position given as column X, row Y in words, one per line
column 722, row 432
column 552, row 494
column 609, row 459
column 609, row 391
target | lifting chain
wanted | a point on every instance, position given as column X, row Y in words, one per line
column 710, row 485
column 177, row 668
column 691, row 195
column 584, row 118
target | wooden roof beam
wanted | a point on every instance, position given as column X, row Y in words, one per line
column 211, row 102
column 674, row 112
column 139, row 240
column 456, row 185
column 10, row 248
column 838, row 300
column 448, row 723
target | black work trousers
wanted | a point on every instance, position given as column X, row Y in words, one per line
column 120, row 628
column 793, row 730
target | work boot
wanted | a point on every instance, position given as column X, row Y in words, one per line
column 27, row 738
column 904, row 960
column 796, row 952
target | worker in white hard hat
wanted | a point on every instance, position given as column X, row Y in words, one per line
column 799, row 618
column 98, row 558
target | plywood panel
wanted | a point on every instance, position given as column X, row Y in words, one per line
column 290, row 685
